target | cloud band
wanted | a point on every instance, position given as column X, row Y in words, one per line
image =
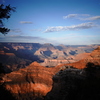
column 73, row 27
column 26, row 22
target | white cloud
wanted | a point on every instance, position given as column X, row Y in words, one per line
column 91, row 18
column 25, row 39
column 82, row 17
column 75, row 15
column 70, row 16
column 19, row 38
column 73, row 27
column 26, row 22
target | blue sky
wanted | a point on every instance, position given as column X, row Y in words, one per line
column 69, row 22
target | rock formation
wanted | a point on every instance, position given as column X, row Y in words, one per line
column 79, row 84
column 14, row 54
column 93, row 57
column 29, row 83
column 35, row 81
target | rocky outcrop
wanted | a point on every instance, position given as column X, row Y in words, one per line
column 35, row 81
column 64, row 82
column 42, row 53
column 29, row 83
column 76, row 84
column 93, row 57
column 79, row 84
column 53, row 62
column 69, row 59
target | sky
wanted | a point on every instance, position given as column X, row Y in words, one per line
column 68, row 22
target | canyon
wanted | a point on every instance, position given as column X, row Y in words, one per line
column 28, row 78
column 14, row 56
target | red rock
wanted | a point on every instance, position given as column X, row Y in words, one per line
column 36, row 80
column 93, row 57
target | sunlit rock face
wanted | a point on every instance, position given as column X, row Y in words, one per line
column 31, row 82
column 93, row 57
column 78, row 84
column 35, row 81
column 19, row 55
column 61, row 60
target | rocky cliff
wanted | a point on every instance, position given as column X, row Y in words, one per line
column 79, row 84
column 20, row 55
column 29, row 83
column 76, row 84
column 93, row 57
column 35, row 81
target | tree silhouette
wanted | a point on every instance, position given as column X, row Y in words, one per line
column 5, row 13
